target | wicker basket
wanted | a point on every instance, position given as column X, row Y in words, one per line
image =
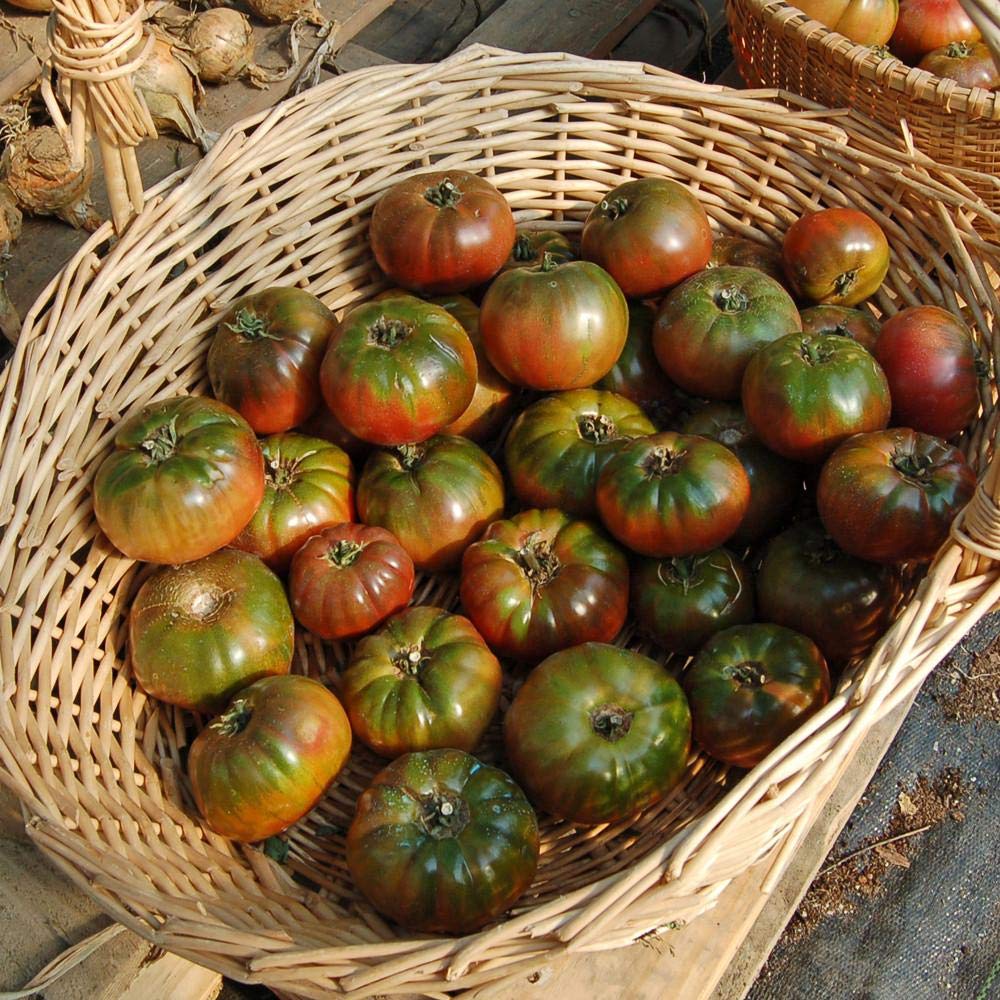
column 286, row 198
column 776, row 45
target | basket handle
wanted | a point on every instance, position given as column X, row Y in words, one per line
column 91, row 46
column 986, row 16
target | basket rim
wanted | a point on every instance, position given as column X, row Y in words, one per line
column 856, row 709
column 861, row 62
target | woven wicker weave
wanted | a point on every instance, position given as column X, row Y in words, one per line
column 776, row 45
column 286, row 198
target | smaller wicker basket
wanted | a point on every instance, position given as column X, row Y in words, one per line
column 776, row 45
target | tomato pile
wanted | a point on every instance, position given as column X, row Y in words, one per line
column 714, row 441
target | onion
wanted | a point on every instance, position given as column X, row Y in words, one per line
column 220, row 41
column 39, row 174
column 37, row 6
column 286, row 11
column 169, row 84
column 10, row 229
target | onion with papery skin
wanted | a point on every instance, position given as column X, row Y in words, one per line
column 37, row 169
column 286, row 11
column 10, row 229
column 220, row 41
column 169, row 84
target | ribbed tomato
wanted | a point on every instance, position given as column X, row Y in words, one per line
column 844, row 321
column 308, row 485
column 199, row 632
column 969, row 64
column 265, row 356
column 444, row 231
column 424, row 681
column 348, row 579
column 542, row 581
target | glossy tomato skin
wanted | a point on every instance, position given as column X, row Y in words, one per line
column 673, row 495
column 494, row 398
column 681, row 602
column 442, row 843
column 184, row 479
column 836, row 256
column 868, row 22
column 348, row 579
column 736, row 251
column 775, row 482
column 891, row 496
column 925, row 25
column 597, row 733
column 708, row 328
column 650, row 234
column 557, row 447
column 555, row 326
column 308, row 485
column 969, row 65
column 265, row 356
column 532, row 245
column 930, row 360
column 637, row 374
column 267, row 760
column 426, row 680
column 444, row 231
column 398, row 370
column 323, row 424
column 843, row 321
column 543, row 581
column 201, row 631
column 750, row 687
column 808, row 583
column 436, row 497
column 803, row 394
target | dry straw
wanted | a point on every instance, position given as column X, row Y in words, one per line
column 286, row 198
column 776, row 45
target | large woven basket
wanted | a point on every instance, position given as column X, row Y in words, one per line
column 286, row 198
column 776, row 45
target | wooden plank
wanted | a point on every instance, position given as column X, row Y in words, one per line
column 170, row 976
column 352, row 57
column 583, row 27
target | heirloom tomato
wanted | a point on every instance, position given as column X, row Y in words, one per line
column 532, row 245
column 931, row 362
column 597, row 733
column 442, row 843
column 925, row 25
column 184, row 479
column 398, row 370
column 267, row 760
column 308, row 485
column 682, row 601
column 554, row 326
column 199, row 632
column 424, row 681
column 836, row 256
column 844, row 321
column 649, row 234
column 557, row 447
column 435, row 497
column 803, row 395
column 323, row 424
column 891, row 496
column 708, row 328
column 348, row 579
column 673, row 494
column 775, row 482
column 735, row 251
column 750, row 687
column 808, row 583
column 867, row 22
column 969, row 64
column 541, row 582
column 265, row 356
column 445, row 231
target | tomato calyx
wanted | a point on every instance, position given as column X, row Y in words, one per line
column 548, row 262
column 662, row 462
column 843, row 283
column 681, row 570
column 524, row 248
column 614, row 208
column 444, row 814
column 250, row 326
column 597, row 428
column 611, row 722
column 913, row 467
column 813, row 353
column 162, row 443
column 959, row 50
column 234, row 719
column 281, row 473
column 881, row 51
column 749, row 674
column 409, row 660
column 387, row 333
column 443, row 195
column 410, row 455
column 732, row 299
column 820, row 550
column 343, row 553
column 539, row 562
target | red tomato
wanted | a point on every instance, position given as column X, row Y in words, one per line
column 736, row 251
column 649, row 234
column 968, row 64
column 925, row 25
column 868, row 22
column 348, row 579
column 837, row 256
